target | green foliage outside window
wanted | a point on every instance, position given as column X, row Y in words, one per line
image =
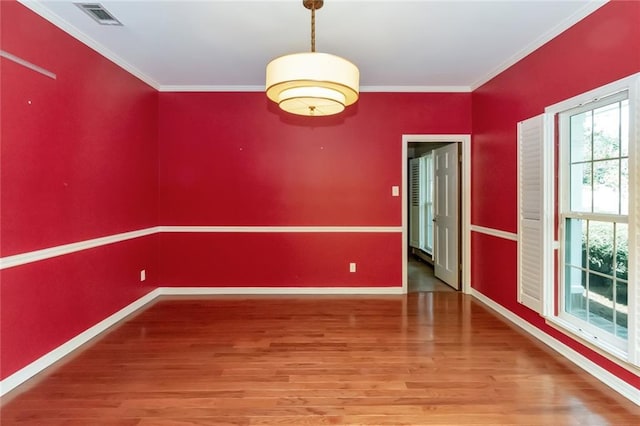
column 601, row 259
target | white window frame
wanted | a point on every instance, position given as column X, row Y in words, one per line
column 552, row 292
column 422, row 222
column 613, row 342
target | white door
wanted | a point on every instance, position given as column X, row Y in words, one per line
column 445, row 220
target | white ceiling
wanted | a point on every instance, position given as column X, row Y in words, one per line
column 446, row 45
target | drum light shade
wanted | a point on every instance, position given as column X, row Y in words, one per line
column 312, row 83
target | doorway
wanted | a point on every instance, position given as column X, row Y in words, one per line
column 445, row 148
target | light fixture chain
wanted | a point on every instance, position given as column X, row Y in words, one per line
column 313, row 26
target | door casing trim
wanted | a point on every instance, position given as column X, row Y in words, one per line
column 465, row 188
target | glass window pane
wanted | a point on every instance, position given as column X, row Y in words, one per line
column 621, row 296
column 575, row 243
column 580, row 135
column 621, row 309
column 575, row 296
column 581, row 190
column 622, row 251
column 600, row 302
column 624, row 128
column 624, row 186
column 606, row 186
column 600, row 247
column 606, row 131
column 621, row 325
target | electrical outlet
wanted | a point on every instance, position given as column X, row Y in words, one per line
column 143, row 274
column 352, row 267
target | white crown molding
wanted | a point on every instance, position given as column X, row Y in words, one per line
column 209, row 88
column 71, row 345
column 37, row 7
column 623, row 388
column 37, row 255
column 416, row 89
column 253, row 88
column 590, row 7
column 495, row 232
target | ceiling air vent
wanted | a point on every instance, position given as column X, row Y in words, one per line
column 97, row 11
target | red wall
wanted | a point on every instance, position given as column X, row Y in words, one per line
column 78, row 161
column 233, row 159
column 96, row 150
column 280, row 259
column 602, row 48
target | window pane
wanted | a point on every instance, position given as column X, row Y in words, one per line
column 575, row 296
column 581, row 190
column 600, row 302
column 580, row 135
column 606, row 131
column 600, row 247
column 622, row 250
column 606, row 186
column 621, row 309
column 575, row 243
column 624, row 128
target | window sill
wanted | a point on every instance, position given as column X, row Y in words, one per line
column 610, row 352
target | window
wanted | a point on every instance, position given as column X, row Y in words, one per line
column 421, row 201
column 428, row 203
column 594, row 217
column 595, row 297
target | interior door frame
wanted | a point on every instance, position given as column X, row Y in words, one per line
column 465, row 189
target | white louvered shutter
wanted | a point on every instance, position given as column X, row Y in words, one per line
column 414, row 202
column 531, row 212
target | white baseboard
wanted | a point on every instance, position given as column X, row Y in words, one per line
column 615, row 383
column 66, row 348
column 176, row 291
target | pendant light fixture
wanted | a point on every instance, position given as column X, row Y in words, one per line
column 312, row 83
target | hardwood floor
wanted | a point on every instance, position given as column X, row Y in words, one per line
column 425, row 359
column 420, row 277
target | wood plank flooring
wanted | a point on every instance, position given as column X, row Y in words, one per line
column 424, row 359
column 421, row 277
